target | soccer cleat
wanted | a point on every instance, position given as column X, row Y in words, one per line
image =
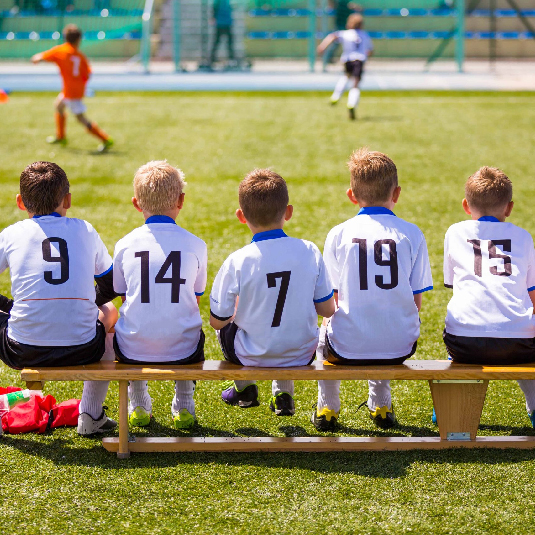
column 282, row 404
column 383, row 417
column 532, row 418
column 352, row 115
column 324, row 420
column 434, row 417
column 333, row 101
column 87, row 425
column 103, row 147
column 184, row 419
column 139, row 417
column 246, row 398
column 53, row 140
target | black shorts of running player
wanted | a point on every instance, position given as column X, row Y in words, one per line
column 492, row 351
column 197, row 356
column 19, row 356
column 227, row 336
column 334, row 358
column 354, row 68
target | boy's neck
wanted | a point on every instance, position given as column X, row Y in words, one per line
column 258, row 230
column 173, row 214
column 388, row 205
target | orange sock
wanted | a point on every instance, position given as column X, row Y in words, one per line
column 61, row 119
column 96, row 131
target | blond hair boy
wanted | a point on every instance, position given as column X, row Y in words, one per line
column 379, row 267
column 160, row 270
column 266, row 297
column 490, row 264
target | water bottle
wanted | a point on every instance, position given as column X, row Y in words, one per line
column 8, row 401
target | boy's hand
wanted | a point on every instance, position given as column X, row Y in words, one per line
column 36, row 58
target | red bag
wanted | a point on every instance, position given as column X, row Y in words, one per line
column 39, row 414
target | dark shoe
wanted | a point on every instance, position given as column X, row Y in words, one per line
column 352, row 115
column 246, row 398
column 324, row 420
column 383, row 417
column 282, row 404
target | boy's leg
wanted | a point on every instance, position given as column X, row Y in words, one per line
column 379, row 394
column 353, row 98
column 183, row 406
column 94, row 129
column 528, row 387
column 61, row 120
column 329, row 396
column 278, row 387
column 138, row 396
column 242, row 385
column 339, row 89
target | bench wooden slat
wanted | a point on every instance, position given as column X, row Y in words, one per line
column 312, row 444
column 222, row 370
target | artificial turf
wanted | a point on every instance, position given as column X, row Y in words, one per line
column 62, row 483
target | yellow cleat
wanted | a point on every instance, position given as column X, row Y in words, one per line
column 324, row 420
column 139, row 417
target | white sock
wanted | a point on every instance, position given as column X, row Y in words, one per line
column 138, row 396
column 183, row 397
column 322, row 343
column 339, row 88
column 240, row 385
column 329, row 395
column 379, row 394
column 528, row 387
column 93, row 398
column 277, row 387
column 353, row 97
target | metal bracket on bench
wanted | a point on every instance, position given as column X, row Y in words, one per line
column 458, row 381
column 458, row 436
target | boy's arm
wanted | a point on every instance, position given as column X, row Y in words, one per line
column 331, row 38
column 418, row 301
column 104, row 289
column 325, row 309
column 37, row 58
column 224, row 296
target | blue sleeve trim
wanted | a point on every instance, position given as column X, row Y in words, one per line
column 198, row 294
column 326, row 298
column 422, row 291
column 105, row 272
column 531, row 289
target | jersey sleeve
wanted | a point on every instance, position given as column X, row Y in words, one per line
column 421, row 279
column 448, row 265
column 119, row 281
column 200, row 281
column 338, row 37
column 531, row 267
column 3, row 255
column 103, row 260
column 85, row 69
column 331, row 262
column 50, row 55
column 324, row 287
column 225, row 290
column 368, row 43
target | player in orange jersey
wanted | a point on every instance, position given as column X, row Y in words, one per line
column 75, row 71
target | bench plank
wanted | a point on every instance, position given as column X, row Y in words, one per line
column 222, row 370
column 311, row 444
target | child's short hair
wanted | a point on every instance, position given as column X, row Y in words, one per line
column 157, row 186
column 72, row 34
column 488, row 189
column 373, row 176
column 263, row 197
column 354, row 21
column 43, row 185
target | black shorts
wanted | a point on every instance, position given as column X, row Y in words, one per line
column 354, row 68
column 226, row 338
column 19, row 356
column 197, row 356
column 493, row 351
column 334, row 358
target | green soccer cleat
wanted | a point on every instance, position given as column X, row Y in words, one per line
column 53, row 140
column 103, row 147
column 139, row 417
column 184, row 419
column 324, row 420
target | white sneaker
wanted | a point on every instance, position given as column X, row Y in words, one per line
column 87, row 425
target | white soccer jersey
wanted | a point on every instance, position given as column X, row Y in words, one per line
column 491, row 267
column 160, row 268
column 377, row 262
column 53, row 261
column 356, row 45
column 277, row 279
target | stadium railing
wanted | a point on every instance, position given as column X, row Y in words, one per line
column 458, row 392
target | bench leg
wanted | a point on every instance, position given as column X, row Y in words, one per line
column 123, row 452
column 35, row 385
column 458, row 406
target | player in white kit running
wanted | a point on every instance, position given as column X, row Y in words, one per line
column 160, row 269
column 490, row 264
column 379, row 267
column 357, row 47
column 267, row 296
column 56, row 317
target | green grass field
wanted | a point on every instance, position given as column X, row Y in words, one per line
column 61, row 483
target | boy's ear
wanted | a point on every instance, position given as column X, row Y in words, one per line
column 136, row 204
column 396, row 193
column 351, row 196
column 67, row 201
column 181, row 201
column 509, row 209
column 20, row 204
column 466, row 208
column 240, row 216
column 289, row 212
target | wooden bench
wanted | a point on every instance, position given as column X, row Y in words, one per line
column 458, row 392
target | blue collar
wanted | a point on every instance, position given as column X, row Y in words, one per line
column 269, row 235
column 159, row 219
column 490, row 218
column 53, row 214
column 375, row 210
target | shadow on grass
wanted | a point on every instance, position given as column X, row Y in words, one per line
column 379, row 119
